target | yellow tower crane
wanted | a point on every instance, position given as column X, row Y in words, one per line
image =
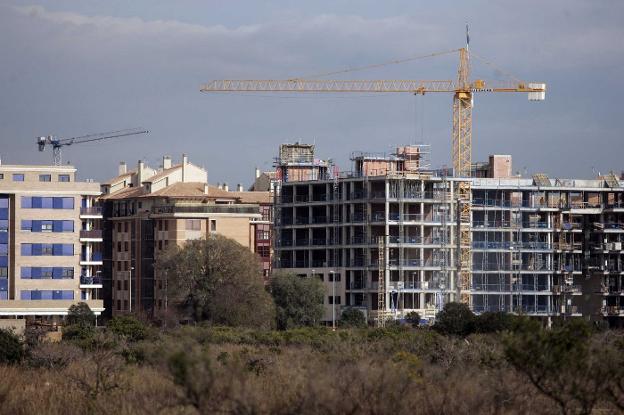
column 462, row 88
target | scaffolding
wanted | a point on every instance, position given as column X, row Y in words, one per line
column 381, row 284
column 464, row 241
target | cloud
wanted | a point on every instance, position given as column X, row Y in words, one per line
column 69, row 73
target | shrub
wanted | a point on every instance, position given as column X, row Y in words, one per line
column 80, row 313
column 455, row 319
column 352, row 317
column 493, row 322
column 128, row 327
column 413, row 318
column 11, row 350
column 80, row 334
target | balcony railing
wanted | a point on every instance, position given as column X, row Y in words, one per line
column 94, row 210
column 90, row 280
column 95, row 257
column 92, row 234
column 241, row 209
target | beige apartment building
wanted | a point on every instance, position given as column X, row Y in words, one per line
column 148, row 210
column 50, row 242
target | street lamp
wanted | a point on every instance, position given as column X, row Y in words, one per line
column 333, row 277
column 130, row 291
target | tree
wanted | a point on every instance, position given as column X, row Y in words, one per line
column 455, row 319
column 80, row 314
column 413, row 318
column 566, row 364
column 217, row 280
column 299, row 301
column 352, row 317
column 11, row 350
column 128, row 327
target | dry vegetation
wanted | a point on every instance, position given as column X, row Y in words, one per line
column 202, row 369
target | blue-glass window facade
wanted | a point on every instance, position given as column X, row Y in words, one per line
column 41, row 202
column 38, row 273
column 63, row 178
column 46, row 295
column 48, row 225
column 47, row 249
column 4, row 248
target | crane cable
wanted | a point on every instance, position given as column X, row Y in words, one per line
column 376, row 65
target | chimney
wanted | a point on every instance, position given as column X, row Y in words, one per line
column 257, row 172
column 140, row 173
column 123, row 169
column 184, row 163
column 239, row 188
column 225, row 187
column 205, row 188
column 166, row 162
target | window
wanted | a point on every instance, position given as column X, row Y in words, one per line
column 126, row 285
column 1, row 176
column 166, row 224
column 63, row 178
column 118, row 265
column 119, row 305
column 26, row 225
column 126, row 246
column 193, row 225
column 333, row 277
column 18, row 177
column 118, row 246
column 4, row 272
column 119, row 227
column 160, row 246
column 125, row 226
column 264, row 251
column 38, row 202
column 213, row 225
column 46, row 226
column 332, row 300
column 45, row 177
column 47, row 249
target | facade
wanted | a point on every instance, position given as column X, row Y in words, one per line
column 541, row 247
column 50, row 242
column 148, row 214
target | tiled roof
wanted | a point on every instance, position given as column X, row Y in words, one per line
column 163, row 173
column 126, row 193
column 119, row 178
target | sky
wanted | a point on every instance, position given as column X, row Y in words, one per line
column 71, row 68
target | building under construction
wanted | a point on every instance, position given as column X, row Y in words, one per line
column 538, row 246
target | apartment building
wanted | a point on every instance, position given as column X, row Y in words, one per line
column 148, row 210
column 537, row 246
column 50, row 242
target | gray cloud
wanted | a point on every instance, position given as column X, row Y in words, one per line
column 69, row 72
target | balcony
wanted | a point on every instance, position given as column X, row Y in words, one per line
column 90, row 281
column 91, row 236
column 93, row 212
column 94, row 259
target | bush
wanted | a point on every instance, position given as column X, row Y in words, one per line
column 79, row 333
column 413, row 318
column 11, row 350
column 455, row 319
column 80, row 313
column 493, row 322
column 352, row 317
column 128, row 327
